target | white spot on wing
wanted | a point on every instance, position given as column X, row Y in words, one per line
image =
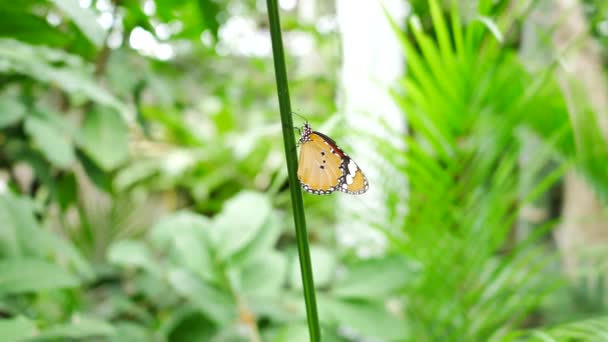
column 349, row 179
column 352, row 167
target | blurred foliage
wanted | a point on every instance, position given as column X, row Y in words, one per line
column 597, row 14
column 142, row 191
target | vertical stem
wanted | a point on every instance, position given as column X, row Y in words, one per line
column 292, row 166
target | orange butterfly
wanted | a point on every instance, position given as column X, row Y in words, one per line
column 325, row 168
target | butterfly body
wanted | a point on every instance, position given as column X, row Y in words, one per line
column 324, row 167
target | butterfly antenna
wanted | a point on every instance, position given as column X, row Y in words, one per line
column 294, row 113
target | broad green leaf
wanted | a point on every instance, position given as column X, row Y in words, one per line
column 17, row 329
column 163, row 233
column 11, row 111
column 187, row 324
column 193, row 252
column 375, row 278
column 264, row 276
column 262, row 243
column 369, row 319
column 135, row 172
column 30, row 275
column 19, row 235
column 289, row 333
column 323, row 267
column 19, row 23
column 104, row 137
column 127, row 331
column 185, row 235
column 215, row 303
column 131, row 253
column 51, row 140
column 96, row 174
column 79, row 328
column 74, row 75
column 241, row 219
column 84, row 18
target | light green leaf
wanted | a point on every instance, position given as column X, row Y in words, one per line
column 16, row 329
column 323, row 267
column 74, row 76
column 218, row 305
column 290, row 333
column 369, row 319
column 11, row 111
column 79, row 328
column 31, row 275
column 192, row 252
column 375, row 278
column 84, row 18
column 184, row 234
column 52, row 141
column 131, row 253
column 19, row 235
column 105, row 137
column 239, row 222
column 135, row 172
column 264, row 276
column 262, row 243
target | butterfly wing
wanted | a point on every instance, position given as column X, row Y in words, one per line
column 320, row 168
column 354, row 181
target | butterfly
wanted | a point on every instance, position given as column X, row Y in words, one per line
column 324, row 168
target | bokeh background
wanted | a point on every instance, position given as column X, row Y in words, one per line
column 143, row 187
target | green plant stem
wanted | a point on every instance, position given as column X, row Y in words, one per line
column 292, row 167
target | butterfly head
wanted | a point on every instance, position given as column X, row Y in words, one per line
column 305, row 133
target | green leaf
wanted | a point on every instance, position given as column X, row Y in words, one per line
column 163, row 232
column 323, row 267
column 16, row 329
column 19, row 235
column 264, row 276
column 31, row 275
column 189, row 325
column 185, row 234
column 262, row 243
column 131, row 253
column 98, row 176
column 51, row 140
column 367, row 318
column 73, row 75
column 375, row 278
column 20, row 24
column 79, row 328
column 104, row 137
column 84, row 18
column 239, row 222
column 66, row 190
column 11, row 111
column 218, row 305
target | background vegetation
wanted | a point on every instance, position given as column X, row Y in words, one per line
column 143, row 190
